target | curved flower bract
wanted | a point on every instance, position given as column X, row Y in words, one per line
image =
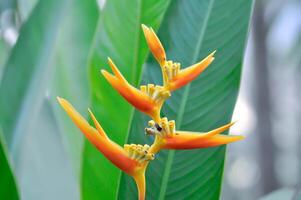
column 149, row 99
column 132, row 159
column 168, row 138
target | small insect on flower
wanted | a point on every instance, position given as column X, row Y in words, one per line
column 132, row 159
column 149, row 99
column 169, row 138
column 173, row 76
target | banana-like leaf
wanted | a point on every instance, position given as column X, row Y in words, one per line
column 190, row 31
column 120, row 37
column 49, row 59
column 8, row 188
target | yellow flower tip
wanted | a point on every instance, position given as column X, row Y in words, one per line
column 154, row 44
column 81, row 123
column 115, row 70
column 97, row 125
column 115, row 82
column 220, row 129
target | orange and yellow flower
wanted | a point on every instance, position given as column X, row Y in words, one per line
column 173, row 76
column 132, row 159
column 149, row 99
column 167, row 137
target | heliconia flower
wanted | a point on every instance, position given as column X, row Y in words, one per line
column 132, row 159
column 149, row 99
column 173, row 76
column 169, row 138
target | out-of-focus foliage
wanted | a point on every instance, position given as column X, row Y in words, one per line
column 8, row 188
column 49, row 59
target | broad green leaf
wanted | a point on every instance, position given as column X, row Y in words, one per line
column 48, row 60
column 120, row 37
column 190, row 31
column 8, row 188
column 4, row 51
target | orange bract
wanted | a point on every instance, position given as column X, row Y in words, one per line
column 168, row 138
column 99, row 139
column 148, row 99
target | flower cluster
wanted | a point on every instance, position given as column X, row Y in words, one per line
column 133, row 159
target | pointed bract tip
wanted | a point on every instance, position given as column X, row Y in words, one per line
column 238, row 137
column 213, row 53
column 110, row 61
column 103, row 71
column 143, row 26
column 61, row 100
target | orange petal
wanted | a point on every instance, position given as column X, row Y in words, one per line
column 190, row 73
column 154, row 44
column 192, row 140
column 97, row 125
column 216, row 140
column 116, row 71
column 134, row 96
column 98, row 138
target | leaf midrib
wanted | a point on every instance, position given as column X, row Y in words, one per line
column 171, row 153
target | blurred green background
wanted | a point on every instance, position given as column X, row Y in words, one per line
column 57, row 48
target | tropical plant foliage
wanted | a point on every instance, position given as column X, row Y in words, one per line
column 62, row 47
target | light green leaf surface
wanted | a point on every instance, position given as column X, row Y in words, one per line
column 190, row 31
column 4, row 52
column 8, row 188
column 49, row 59
column 120, row 37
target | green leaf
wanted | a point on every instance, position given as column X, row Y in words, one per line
column 25, row 7
column 8, row 188
column 190, row 31
column 49, row 59
column 4, row 52
column 120, row 37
